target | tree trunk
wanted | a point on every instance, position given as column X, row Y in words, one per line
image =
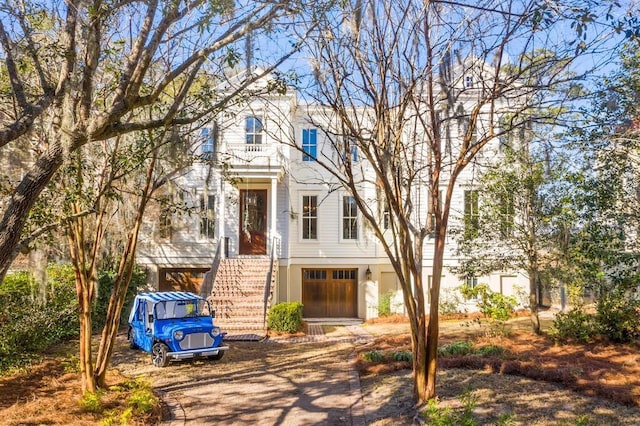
column 420, row 371
column 121, row 285
column 19, row 205
column 86, row 368
column 433, row 330
column 84, row 290
column 116, row 302
column 533, row 301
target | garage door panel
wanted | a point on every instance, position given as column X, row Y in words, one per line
column 335, row 296
column 313, row 300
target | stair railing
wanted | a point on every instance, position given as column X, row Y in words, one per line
column 210, row 275
column 275, row 241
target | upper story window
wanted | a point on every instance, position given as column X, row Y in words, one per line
column 165, row 225
column 309, row 144
column 386, row 216
column 471, row 214
column 507, row 214
column 349, row 218
column 433, row 207
column 351, row 150
column 253, row 130
column 208, row 142
column 309, row 217
column 468, row 81
column 468, row 129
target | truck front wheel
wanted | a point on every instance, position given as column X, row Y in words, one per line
column 217, row 357
column 159, row 355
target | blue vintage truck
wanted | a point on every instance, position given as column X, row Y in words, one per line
column 174, row 325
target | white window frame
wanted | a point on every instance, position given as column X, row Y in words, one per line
column 205, row 200
column 251, row 133
column 303, row 217
column 343, row 218
column 309, row 151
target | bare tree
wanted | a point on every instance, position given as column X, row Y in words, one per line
column 79, row 72
column 417, row 89
column 84, row 71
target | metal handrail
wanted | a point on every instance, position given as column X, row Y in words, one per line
column 210, row 275
column 267, row 287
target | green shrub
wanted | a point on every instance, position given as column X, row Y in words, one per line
column 28, row 326
column 618, row 316
column 462, row 347
column 92, row 402
column 142, row 400
column 492, row 304
column 406, row 356
column 384, row 304
column 573, row 325
column 285, row 317
column 373, row 356
column 16, row 286
column 490, row 350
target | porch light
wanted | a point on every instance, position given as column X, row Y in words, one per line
column 367, row 273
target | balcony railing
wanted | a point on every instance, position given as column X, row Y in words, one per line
column 253, row 155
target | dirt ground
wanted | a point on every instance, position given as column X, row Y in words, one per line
column 535, row 382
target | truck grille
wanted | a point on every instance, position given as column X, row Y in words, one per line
column 196, row 341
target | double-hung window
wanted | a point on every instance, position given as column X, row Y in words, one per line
column 207, row 216
column 471, row 214
column 253, row 130
column 471, row 281
column 165, row 226
column 349, row 218
column 386, row 216
column 468, row 81
column 350, row 153
column 208, row 143
column 309, row 144
column 309, row 217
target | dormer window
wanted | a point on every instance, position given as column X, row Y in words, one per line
column 468, row 81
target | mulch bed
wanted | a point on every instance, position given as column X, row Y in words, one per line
column 604, row 369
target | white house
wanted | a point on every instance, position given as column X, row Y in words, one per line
column 251, row 194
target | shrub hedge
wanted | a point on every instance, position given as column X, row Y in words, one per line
column 285, row 317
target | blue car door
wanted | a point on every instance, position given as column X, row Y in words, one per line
column 141, row 328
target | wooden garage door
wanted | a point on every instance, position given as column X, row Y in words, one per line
column 330, row 293
column 181, row 279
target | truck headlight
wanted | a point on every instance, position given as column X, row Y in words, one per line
column 215, row 331
column 178, row 334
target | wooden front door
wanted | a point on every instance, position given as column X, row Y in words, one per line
column 330, row 293
column 253, row 221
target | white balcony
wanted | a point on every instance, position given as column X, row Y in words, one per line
column 253, row 159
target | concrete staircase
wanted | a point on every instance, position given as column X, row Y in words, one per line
column 238, row 296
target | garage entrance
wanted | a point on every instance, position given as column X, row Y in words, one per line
column 181, row 279
column 330, row 293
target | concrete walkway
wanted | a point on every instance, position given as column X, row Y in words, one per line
column 320, row 387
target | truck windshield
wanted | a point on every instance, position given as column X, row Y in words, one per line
column 182, row 309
